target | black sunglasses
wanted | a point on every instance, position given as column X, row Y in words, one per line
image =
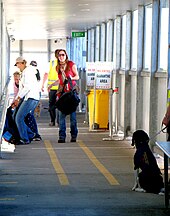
column 61, row 54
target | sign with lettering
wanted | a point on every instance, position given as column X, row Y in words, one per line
column 78, row 34
column 103, row 75
column 90, row 73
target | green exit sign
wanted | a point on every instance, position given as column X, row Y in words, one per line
column 78, row 34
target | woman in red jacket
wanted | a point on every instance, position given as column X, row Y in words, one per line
column 66, row 69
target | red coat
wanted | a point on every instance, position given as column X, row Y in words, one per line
column 68, row 74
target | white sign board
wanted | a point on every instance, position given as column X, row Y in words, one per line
column 90, row 73
column 103, row 75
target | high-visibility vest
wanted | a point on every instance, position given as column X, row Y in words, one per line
column 52, row 75
column 168, row 93
column 168, row 99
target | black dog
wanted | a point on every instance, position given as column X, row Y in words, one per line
column 150, row 178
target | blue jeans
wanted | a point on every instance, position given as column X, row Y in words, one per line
column 26, row 107
column 62, row 125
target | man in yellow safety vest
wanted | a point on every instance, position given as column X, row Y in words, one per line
column 52, row 76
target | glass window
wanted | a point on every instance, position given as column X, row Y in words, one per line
column 114, row 45
column 40, row 58
column 134, row 39
column 163, row 36
column 14, row 53
column 13, row 56
column 34, row 45
column 147, row 37
column 123, row 45
column 32, row 50
column 14, row 46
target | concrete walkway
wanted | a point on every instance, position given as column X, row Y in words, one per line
column 89, row 178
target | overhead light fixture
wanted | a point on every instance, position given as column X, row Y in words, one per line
column 85, row 10
column 12, row 38
column 80, row 5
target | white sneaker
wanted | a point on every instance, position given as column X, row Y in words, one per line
column 162, row 192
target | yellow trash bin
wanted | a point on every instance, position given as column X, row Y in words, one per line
column 101, row 112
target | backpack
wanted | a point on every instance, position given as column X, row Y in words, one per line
column 10, row 132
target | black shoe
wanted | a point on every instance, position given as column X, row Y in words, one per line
column 52, row 124
column 73, row 140
column 37, row 138
column 21, row 142
column 61, row 141
column 32, row 138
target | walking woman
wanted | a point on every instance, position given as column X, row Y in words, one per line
column 66, row 69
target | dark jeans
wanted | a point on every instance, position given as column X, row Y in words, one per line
column 52, row 110
column 62, row 125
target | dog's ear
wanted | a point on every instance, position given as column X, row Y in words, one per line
column 134, row 138
column 133, row 142
column 139, row 137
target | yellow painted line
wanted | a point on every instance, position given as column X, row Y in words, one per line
column 56, row 164
column 111, row 179
column 7, row 199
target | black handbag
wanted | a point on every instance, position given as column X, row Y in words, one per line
column 68, row 101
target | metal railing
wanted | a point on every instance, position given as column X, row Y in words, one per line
column 4, row 102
